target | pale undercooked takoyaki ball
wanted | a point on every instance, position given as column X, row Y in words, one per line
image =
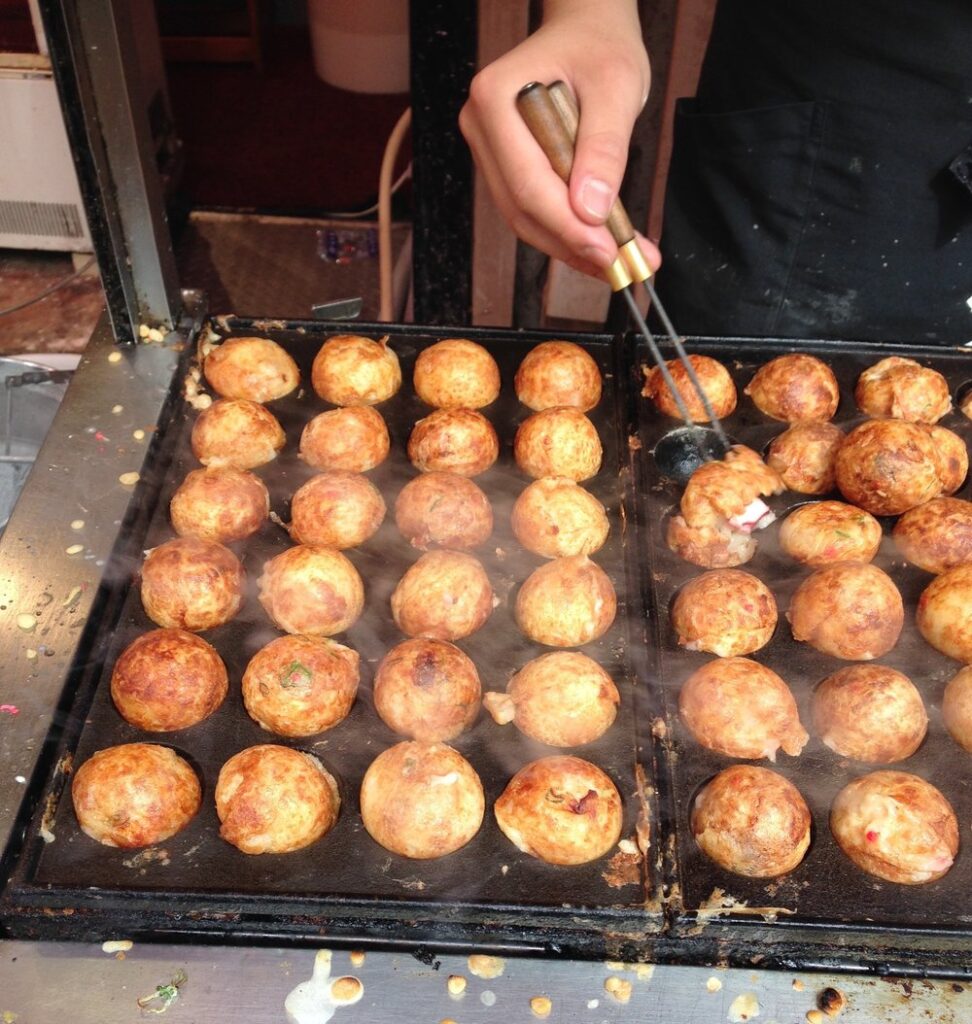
column 443, row 510
column 422, row 800
column 254, row 368
column 903, row 389
column 557, row 373
column 896, row 826
column 871, row 713
column 556, row 517
column 353, row 439
column 300, row 685
column 564, row 699
column 445, row 595
column 351, row 370
column 936, row 536
column 823, row 533
column 726, row 612
column 957, row 707
column 850, row 610
column 219, row 503
column 273, row 799
column 740, row 708
column 336, row 509
column 460, row 441
column 456, row 374
column 135, row 794
column 712, row 376
column 427, row 690
column 751, row 821
column 953, row 458
column 316, row 591
column 944, row 614
column 804, row 456
column 561, row 809
column 713, row 547
column 192, row 584
column 236, row 432
column 566, row 603
column 796, row 388
column 558, row 442
column 168, row 679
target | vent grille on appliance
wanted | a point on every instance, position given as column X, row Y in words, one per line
column 62, row 220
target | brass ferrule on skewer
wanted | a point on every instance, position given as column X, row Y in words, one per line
column 634, row 260
column 617, row 275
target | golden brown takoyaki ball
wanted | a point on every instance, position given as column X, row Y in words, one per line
column 965, row 405
column 896, row 826
column 168, row 679
column 192, row 584
column 823, row 533
column 871, row 713
column 712, row 376
column 957, row 707
column 316, row 591
column 740, row 708
column 273, row 799
column 713, row 547
column 566, row 602
column 219, row 503
column 795, row 388
column 952, row 457
column 904, row 390
column 445, row 595
column 730, row 491
column 351, row 370
column 751, row 821
column 556, row 517
column 427, row 690
column 456, row 373
column 460, row 441
column 135, row 794
column 336, row 509
column 726, row 612
column 254, row 368
column 561, row 809
column 564, row 699
column 944, row 614
column 804, row 457
column 422, row 800
column 236, row 432
column 560, row 441
column 443, row 510
column 849, row 610
column 557, row 373
column 300, row 685
column 936, row 536
column 353, row 439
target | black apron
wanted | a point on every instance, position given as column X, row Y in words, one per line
column 821, row 179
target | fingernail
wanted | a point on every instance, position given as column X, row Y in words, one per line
column 597, row 197
column 599, row 257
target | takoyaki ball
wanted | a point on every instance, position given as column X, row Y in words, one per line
column 965, row 405
column 422, row 800
column 944, row 614
column 443, row 510
column 219, row 503
column 300, row 685
column 456, row 374
column 850, row 610
column 896, row 826
column 796, row 388
column 729, row 492
column 936, row 536
column 904, row 390
column 566, row 603
column 194, row 584
column 460, row 441
column 871, row 713
column 336, row 509
column 751, row 821
column 740, row 708
column 168, row 679
column 953, row 458
column 236, row 432
column 558, row 373
column 135, row 794
column 445, row 595
column 804, row 457
column 254, row 368
column 823, row 533
column 560, row 441
column 712, row 376
column 726, row 612
column 353, row 439
column 274, row 799
column 713, row 547
column 556, row 517
column 957, row 707
column 564, row 699
column 314, row 591
column 427, row 690
column 351, row 370
column 561, row 809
